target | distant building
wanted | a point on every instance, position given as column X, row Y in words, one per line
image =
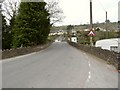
column 100, row 29
column 74, row 39
column 72, row 36
column 86, row 29
column 73, row 32
column 109, row 44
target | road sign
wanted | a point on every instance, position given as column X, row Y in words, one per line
column 91, row 33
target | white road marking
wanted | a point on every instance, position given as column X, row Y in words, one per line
column 89, row 77
column 89, row 64
column 89, row 72
column 17, row 57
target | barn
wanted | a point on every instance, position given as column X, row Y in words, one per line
column 109, row 44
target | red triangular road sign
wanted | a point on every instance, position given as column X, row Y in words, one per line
column 91, row 33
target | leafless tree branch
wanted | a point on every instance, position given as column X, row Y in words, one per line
column 55, row 12
column 10, row 8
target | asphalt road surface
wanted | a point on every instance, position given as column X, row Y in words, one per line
column 59, row 66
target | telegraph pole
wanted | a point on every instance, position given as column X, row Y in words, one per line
column 119, row 27
column 119, row 38
column 106, row 25
column 91, row 23
column 119, row 19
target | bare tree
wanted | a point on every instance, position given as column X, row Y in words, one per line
column 56, row 13
column 1, row 1
column 10, row 9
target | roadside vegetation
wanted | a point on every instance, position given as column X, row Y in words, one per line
column 27, row 24
column 99, row 30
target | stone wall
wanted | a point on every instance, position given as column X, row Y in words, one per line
column 22, row 51
column 109, row 56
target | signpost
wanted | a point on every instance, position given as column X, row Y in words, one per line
column 119, row 40
column 91, row 34
column 91, row 25
column 119, row 18
column 119, row 26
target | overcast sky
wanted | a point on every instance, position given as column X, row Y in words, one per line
column 77, row 11
column 119, row 11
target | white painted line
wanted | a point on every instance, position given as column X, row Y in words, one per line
column 89, row 76
column 17, row 57
column 89, row 73
column 89, row 64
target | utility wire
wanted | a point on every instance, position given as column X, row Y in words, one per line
column 114, row 5
column 101, row 5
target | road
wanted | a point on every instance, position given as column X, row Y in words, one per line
column 59, row 66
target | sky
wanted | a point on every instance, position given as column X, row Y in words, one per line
column 77, row 12
column 119, row 11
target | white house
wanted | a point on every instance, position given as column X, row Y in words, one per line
column 74, row 39
column 109, row 44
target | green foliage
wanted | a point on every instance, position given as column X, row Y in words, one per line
column 102, row 35
column 70, row 27
column 52, row 38
column 83, row 37
column 6, row 35
column 32, row 24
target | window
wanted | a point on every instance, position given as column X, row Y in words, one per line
column 114, row 48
